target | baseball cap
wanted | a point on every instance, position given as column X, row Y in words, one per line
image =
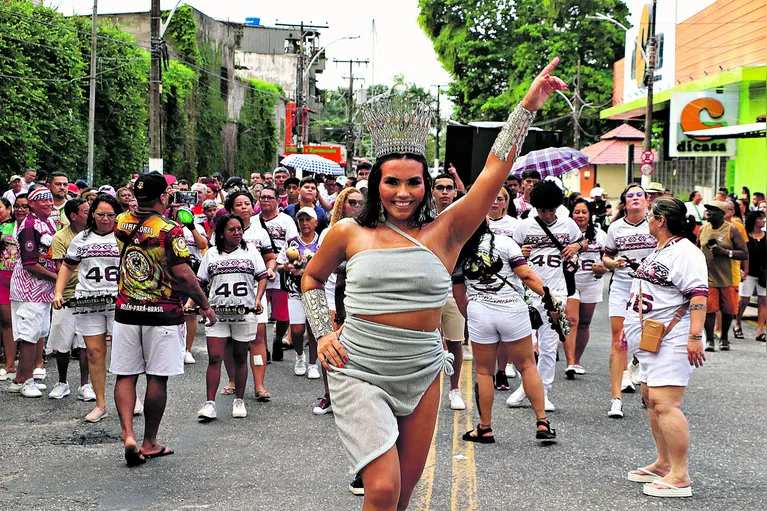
column 292, row 181
column 306, row 210
column 655, row 187
column 73, row 188
column 717, row 204
column 14, row 178
column 169, row 179
column 362, row 184
column 596, row 192
column 341, row 181
column 149, row 187
column 108, row 190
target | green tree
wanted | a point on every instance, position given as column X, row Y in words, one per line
column 494, row 48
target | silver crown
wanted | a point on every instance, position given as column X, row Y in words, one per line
column 397, row 124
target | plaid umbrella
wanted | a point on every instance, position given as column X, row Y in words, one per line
column 313, row 164
column 553, row 161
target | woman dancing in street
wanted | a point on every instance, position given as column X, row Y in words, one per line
column 589, row 287
column 384, row 368
column 488, row 288
column 237, row 277
column 670, row 287
column 628, row 242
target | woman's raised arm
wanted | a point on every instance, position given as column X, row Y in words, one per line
column 465, row 215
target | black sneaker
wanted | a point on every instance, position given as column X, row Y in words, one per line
column 277, row 351
column 356, row 486
column 710, row 345
column 724, row 345
column 501, row 381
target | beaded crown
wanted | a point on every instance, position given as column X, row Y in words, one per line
column 397, row 124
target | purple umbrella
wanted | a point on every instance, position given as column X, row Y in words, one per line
column 553, row 161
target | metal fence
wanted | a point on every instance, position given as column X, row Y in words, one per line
column 683, row 175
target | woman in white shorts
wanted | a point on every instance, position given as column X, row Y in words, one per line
column 672, row 282
column 628, row 242
column 753, row 281
column 236, row 275
column 95, row 252
column 589, row 287
column 488, row 289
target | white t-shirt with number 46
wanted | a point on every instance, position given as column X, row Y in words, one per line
column 233, row 276
column 99, row 260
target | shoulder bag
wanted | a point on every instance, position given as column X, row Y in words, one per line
column 569, row 267
column 654, row 331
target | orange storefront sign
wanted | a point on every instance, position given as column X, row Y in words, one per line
column 693, row 111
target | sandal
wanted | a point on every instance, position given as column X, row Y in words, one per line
column 548, row 435
column 761, row 337
column 227, row 391
column 263, row 396
column 480, row 436
column 738, row 333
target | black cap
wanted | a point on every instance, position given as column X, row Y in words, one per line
column 292, row 181
column 149, row 187
column 233, row 181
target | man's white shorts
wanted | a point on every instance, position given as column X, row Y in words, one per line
column 241, row 331
column 751, row 284
column 296, row 311
column 30, row 320
column 618, row 297
column 452, row 321
column 64, row 336
column 95, row 323
column 489, row 326
column 589, row 291
column 154, row 350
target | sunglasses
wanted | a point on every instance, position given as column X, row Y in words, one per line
column 355, row 203
column 442, row 188
column 638, row 195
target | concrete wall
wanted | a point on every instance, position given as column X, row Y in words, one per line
column 279, row 68
column 612, row 178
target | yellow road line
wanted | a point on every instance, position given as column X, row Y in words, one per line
column 421, row 499
column 463, row 495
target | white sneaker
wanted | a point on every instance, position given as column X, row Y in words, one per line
column 456, row 401
column 300, row 368
column 634, row 372
column 238, row 408
column 41, row 385
column 86, row 393
column 570, row 372
column 138, row 408
column 579, row 369
column 467, row 354
column 616, row 409
column 208, row 411
column 626, row 384
column 14, row 388
column 511, row 372
column 5, row 375
column 517, row 398
column 60, row 390
column 548, row 405
column 39, row 373
column 188, row 358
column 314, row 372
column 29, row 389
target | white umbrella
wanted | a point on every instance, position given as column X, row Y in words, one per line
column 313, row 164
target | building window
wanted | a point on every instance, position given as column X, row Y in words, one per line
column 224, row 83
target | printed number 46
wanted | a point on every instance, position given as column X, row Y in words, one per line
column 237, row 289
column 553, row 260
column 110, row 274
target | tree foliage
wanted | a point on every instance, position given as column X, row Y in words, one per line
column 494, row 48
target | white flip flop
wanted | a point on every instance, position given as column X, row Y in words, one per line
column 645, row 477
column 669, row 490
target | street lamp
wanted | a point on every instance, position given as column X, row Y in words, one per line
column 321, row 50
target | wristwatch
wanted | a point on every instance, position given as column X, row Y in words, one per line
column 730, row 254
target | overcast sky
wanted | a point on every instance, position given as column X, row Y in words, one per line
column 401, row 46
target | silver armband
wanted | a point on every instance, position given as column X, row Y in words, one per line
column 317, row 312
column 513, row 133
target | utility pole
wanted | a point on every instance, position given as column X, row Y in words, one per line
column 155, row 91
column 304, row 31
column 649, row 83
column 439, row 127
column 577, row 107
column 350, row 112
column 92, row 93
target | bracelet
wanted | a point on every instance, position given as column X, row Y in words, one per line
column 696, row 337
column 698, row 307
column 513, row 133
column 317, row 312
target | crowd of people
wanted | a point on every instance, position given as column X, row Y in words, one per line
column 500, row 272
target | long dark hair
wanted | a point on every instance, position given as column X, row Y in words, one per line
column 469, row 250
column 373, row 212
column 591, row 233
column 678, row 222
column 90, row 223
column 221, row 227
column 751, row 219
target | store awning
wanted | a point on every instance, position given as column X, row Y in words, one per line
column 753, row 130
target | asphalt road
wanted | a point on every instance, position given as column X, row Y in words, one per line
column 283, row 457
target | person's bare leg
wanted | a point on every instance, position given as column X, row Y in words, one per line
column 217, row 347
column 586, row 314
column 742, row 304
column 502, row 358
column 415, row 433
column 96, row 351
column 125, row 401
column 718, row 324
column 83, row 360
column 312, row 345
column 154, row 408
column 667, row 402
column 523, row 357
column 191, row 329
column 9, row 343
column 618, row 357
column 456, row 349
column 240, row 352
column 382, row 481
column 571, row 311
column 484, row 362
column 40, row 346
column 297, row 338
column 662, row 464
column 258, row 349
column 27, row 353
column 228, row 358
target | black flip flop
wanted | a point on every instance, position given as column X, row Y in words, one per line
column 133, row 457
column 165, row 451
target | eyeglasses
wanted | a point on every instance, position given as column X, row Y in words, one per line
column 266, row 197
column 355, row 203
column 104, row 215
column 21, row 206
column 441, row 188
column 638, row 195
column 234, row 230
